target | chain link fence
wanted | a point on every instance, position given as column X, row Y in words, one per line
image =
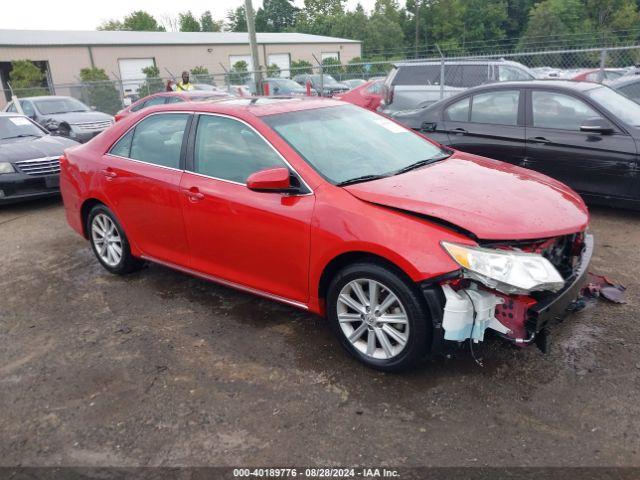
column 447, row 73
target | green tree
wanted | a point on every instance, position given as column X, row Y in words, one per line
column 273, row 70
column 237, row 20
column 201, row 75
column 187, row 22
column 299, row 67
column 332, row 66
column 153, row 82
column 550, row 20
column 111, row 25
column 98, row 91
column 208, row 24
column 141, row 21
column 27, row 80
column 238, row 74
column 276, row 16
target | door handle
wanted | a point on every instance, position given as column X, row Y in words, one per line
column 110, row 174
column 459, row 131
column 538, row 140
column 193, row 194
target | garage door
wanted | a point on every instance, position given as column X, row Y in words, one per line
column 283, row 61
column 245, row 58
column 131, row 72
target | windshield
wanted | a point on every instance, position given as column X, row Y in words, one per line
column 60, row 105
column 347, row 142
column 627, row 110
column 16, row 127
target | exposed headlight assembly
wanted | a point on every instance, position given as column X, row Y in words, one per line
column 505, row 270
column 6, row 167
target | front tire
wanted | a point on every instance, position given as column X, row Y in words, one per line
column 379, row 316
column 109, row 242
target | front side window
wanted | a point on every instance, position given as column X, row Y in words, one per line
column 347, row 142
column 458, row 112
column 157, row 140
column 230, row 150
column 498, row 108
column 27, row 108
column 631, row 91
column 559, row 111
column 623, row 108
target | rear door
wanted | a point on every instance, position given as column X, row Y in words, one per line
column 141, row 179
column 591, row 163
column 490, row 124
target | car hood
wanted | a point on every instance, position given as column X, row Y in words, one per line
column 14, row 150
column 80, row 117
column 489, row 199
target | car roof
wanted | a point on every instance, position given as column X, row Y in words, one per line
column 256, row 106
column 11, row 114
column 624, row 80
column 417, row 63
column 46, row 97
column 551, row 82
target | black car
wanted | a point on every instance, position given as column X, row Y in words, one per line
column 584, row 134
column 29, row 159
column 64, row 116
column 285, row 87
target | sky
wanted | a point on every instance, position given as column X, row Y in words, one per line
column 88, row 14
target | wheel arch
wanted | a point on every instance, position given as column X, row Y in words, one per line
column 85, row 208
column 348, row 258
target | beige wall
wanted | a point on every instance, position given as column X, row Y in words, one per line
column 65, row 63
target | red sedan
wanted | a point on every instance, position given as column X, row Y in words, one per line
column 163, row 98
column 368, row 95
column 406, row 247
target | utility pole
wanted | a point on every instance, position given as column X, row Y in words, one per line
column 417, row 18
column 251, row 27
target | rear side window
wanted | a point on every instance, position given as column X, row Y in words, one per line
column 230, row 150
column 499, row 108
column 458, row 112
column 417, row 75
column 157, row 140
column 507, row 73
column 474, row 75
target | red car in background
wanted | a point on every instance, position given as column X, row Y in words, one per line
column 406, row 247
column 163, row 98
column 598, row 75
column 368, row 95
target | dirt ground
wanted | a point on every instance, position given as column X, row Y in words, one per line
column 159, row 368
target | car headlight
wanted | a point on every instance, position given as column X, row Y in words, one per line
column 505, row 270
column 51, row 124
column 6, row 167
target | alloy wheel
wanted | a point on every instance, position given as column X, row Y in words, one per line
column 106, row 239
column 372, row 318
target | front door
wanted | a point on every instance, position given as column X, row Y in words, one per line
column 259, row 240
column 590, row 163
column 141, row 178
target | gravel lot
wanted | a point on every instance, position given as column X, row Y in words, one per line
column 159, row 368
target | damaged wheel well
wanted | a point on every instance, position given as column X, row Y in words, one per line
column 344, row 259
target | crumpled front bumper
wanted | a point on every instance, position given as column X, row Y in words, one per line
column 553, row 306
column 547, row 307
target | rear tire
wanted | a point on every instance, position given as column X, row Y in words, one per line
column 109, row 242
column 379, row 316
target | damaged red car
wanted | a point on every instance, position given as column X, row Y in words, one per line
column 407, row 247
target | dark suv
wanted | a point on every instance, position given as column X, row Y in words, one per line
column 418, row 84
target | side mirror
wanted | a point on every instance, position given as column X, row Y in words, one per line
column 596, row 125
column 270, row 180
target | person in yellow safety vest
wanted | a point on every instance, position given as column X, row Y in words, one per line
column 184, row 84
